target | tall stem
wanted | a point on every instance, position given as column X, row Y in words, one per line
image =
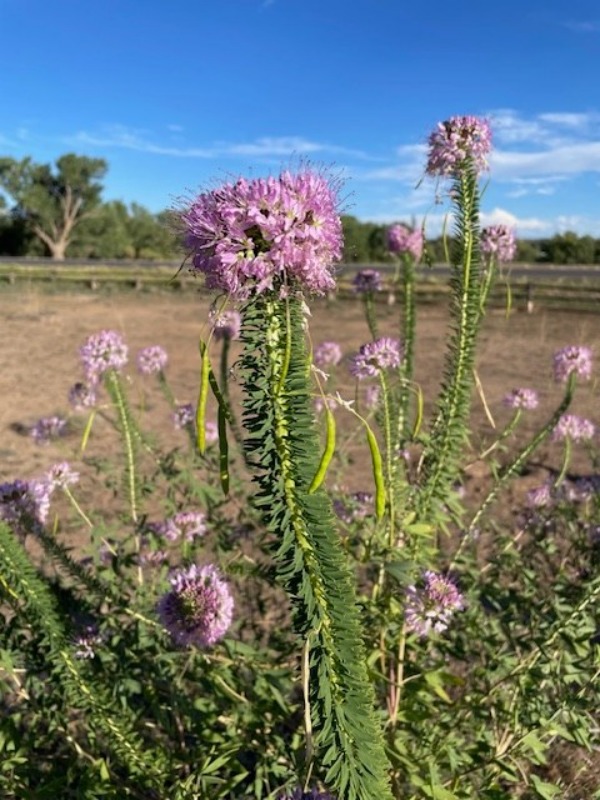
column 282, row 443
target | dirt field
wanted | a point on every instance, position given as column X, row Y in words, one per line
column 42, row 333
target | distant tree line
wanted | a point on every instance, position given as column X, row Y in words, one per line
column 57, row 211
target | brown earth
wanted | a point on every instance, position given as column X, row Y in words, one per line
column 42, row 333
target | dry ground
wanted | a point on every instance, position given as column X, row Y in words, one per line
column 42, row 333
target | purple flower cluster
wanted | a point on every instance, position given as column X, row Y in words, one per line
column 357, row 506
column 456, row 141
column 327, row 354
column 87, row 641
column 404, row 241
column 431, row 608
column 24, row 505
column 152, row 359
column 522, row 398
column 572, row 359
column 374, row 357
column 498, row 242
column 184, row 415
column 102, row 352
column 82, row 396
column 540, row 496
column 227, row 325
column 61, row 476
column 186, row 525
column 372, row 395
column 367, row 280
column 257, row 235
column 577, row 429
column 199, row 608
column 48, row 428
column 327, row 402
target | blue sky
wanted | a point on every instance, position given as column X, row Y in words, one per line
column 180, row 94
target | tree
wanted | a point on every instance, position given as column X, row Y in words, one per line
column 149, row 235
column 53, row 203
column 103, row 234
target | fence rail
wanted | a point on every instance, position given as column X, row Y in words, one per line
column 576, row 286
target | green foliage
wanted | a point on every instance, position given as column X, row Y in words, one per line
column 477, row 703
column 53, row 202
column 283, row 445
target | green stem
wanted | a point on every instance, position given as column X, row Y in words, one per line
column 282, row 441
column 438, row 467
column 517, row 464
column 129, row 435
column 370, row 315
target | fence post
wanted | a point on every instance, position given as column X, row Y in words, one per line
column 529, row 298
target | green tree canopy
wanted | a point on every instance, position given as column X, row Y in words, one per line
column 52, row 202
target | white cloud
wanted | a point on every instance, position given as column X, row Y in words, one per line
column 522, row 225
column 264, row 147
column 569, row 119
column 575, row 158
column 509, row 127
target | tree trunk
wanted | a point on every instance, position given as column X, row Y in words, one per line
column 57, row 250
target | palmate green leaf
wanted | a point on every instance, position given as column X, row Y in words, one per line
column 282, row 441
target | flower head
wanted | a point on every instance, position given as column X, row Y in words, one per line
column 367, row 280
column 498, row 242
column 522, row 398
column 404, row 241
column 60, row 476
column 456, row 141
column 199, row 608
column 151, row 360
column 227, row 325
column 82, row 396
column 185, row 525
column 102, row 352
column 431, row 607
column 373, row 357
column 86, row 642
column 573, row 358
column 575, row 428
column 327, row 354
column 540, row 496
column 48, row 428
column 264, row 234
column 356, row 506
column 24, row 505
column 183, row 415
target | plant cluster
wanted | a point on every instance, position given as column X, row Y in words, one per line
column 240, row 627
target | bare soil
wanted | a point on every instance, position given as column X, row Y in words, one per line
column 42, row 333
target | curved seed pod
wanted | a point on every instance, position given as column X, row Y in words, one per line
column 378, row 476
column 223, row 449
column 327, row 453
column 202, row 398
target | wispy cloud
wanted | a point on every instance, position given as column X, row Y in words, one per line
column 119, row 136
column 584, row 26
column 572, row 159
